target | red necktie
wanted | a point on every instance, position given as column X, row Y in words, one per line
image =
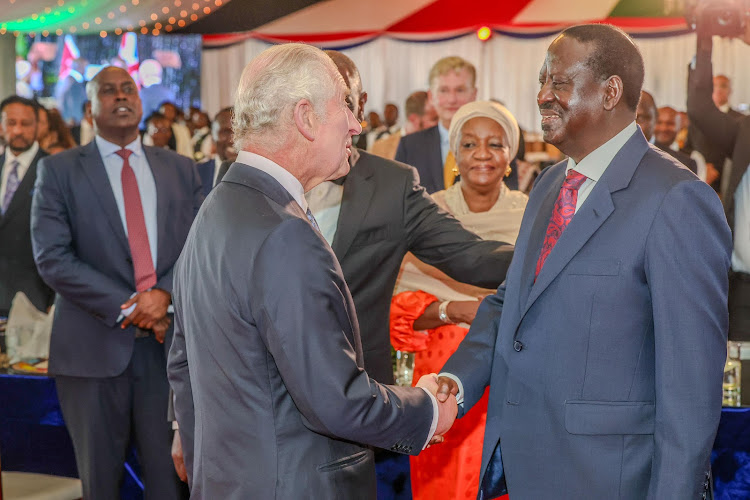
column 562, row 214
column 140, row 250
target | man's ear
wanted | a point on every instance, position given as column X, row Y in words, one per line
column 305, row 119
column 362, row 102
column 613, row 92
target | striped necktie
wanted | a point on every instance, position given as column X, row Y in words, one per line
column 11, row 185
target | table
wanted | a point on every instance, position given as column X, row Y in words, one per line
column 33, row 437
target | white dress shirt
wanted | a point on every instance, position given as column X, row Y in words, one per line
column 146, row 185
column 445, row 143
column 325, row 204
column 596, row 162
column 217, row 166
column 289, row 182
column 24, row 162
column 592, row 166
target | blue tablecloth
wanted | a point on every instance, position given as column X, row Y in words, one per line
column 33, row 438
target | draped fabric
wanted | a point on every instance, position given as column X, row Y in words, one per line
column 508, row 69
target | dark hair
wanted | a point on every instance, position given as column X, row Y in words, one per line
column 228, row 109
column 415, row 103
column 155, row 116
column 17, row 99
column 57, row 124
column 614, row 53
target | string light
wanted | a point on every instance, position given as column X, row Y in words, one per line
column 61, row 16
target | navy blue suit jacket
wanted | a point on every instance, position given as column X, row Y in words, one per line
column 82, row 252
column 421, row 150
column 206, row 173
column 605, row 375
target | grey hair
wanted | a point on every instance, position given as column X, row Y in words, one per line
column 273, row 83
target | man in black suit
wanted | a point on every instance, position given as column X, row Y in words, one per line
column 17, row 176
column 646, row 118
column 372, row 220
column 452, row 84
column 701, row 140
column 731, row 138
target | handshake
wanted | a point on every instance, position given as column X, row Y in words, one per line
column 444, row 389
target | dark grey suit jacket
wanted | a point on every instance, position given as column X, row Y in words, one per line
column 605, row 376
column 17, row 268
column 422, row 151
column 266, row 363
column 385, row 213
column 81, row 250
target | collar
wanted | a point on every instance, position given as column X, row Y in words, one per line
column 76, row 75
column 24, row 158
column 596, row 162
column 282, row 176
column 354, row 157
column 444, row 135
column 107, row 148
column 724, row 108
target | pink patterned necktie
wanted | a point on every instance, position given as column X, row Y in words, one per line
column 562, row 214
column 140, row 250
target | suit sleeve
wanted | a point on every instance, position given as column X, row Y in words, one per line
column 440, row 240
column 196, row 195
column 401, row 154
column 301, row 314
column 178, row 371
column 687, row 263
column 472, row 361
column 55, row 256
column 719, row 128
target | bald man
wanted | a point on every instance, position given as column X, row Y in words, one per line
column 108, row 222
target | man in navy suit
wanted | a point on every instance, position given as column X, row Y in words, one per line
column 605, row 376
column 452, row 84
column 108, row 222
column 221, row 131
column 18, row 118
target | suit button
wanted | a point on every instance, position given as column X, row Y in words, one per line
column 517, row 346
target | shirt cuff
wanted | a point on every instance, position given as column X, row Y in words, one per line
column 460, row 395
column 435, row 410
column 175, row 425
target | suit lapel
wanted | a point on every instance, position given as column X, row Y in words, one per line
column 436, row 158
column 93, row 167
column 537, row 233
column 155, row 162
column 593, row 213
column 358, row 191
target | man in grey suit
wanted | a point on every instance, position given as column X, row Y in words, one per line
column 605, row 376
column 108, row 222
column 266, row 365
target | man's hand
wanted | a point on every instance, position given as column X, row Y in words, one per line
column 447, row 408
column 446, row 387
column 150, row 307
column 177, row 458
column 160, row 329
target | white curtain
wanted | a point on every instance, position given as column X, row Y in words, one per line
column 508, row 69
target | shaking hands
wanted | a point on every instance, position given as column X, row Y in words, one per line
column 446, row 399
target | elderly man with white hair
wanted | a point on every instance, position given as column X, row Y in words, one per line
column 267, row 369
